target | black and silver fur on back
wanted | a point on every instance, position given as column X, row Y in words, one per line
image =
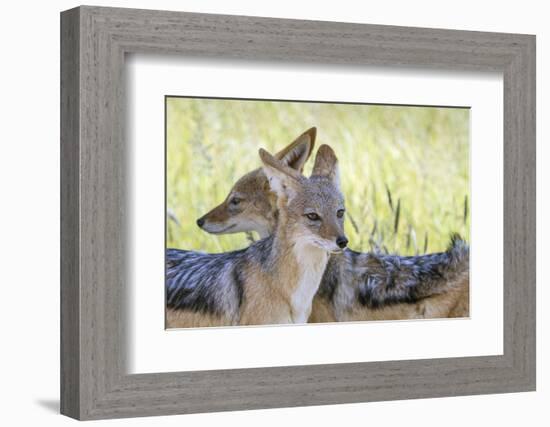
column 379, row 280
column 213, row 283
column 210, row 283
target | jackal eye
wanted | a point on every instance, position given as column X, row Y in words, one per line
column 340, row 213
column 313, row 216
column 235, row 201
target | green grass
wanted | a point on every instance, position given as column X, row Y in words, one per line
column 404, row 170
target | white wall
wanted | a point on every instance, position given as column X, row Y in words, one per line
column 29, row 229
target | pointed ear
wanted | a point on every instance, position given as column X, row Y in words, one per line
column 326, row 164
column 295, row 155
column 283, row 180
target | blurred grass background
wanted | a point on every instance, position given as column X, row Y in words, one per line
column 404, row 170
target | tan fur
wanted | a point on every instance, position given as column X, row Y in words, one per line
column 453, row 303
column 192, row 319
column 267, row 296
column 271, row 303
column 322, row 311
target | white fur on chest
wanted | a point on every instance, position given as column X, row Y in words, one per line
column 311, row 262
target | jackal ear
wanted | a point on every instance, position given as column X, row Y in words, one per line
column 326, row 164
column 296, row 154
column 283, row 180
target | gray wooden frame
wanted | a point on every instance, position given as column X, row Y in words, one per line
column 94, row 41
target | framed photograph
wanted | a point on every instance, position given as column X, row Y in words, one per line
column 262, row 213
column 419, row 148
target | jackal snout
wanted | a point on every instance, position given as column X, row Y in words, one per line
column 327, row 223
column 342, row 241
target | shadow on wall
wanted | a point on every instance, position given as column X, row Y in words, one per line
column 52, row 405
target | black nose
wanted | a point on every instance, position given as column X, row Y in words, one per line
column 200, row 222
column 342, row 242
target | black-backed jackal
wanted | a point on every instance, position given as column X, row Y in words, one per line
column 274, row 280
column 355, row 286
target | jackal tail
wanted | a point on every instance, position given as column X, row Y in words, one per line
column 391, row 279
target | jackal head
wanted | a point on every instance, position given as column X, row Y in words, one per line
column 250, row 205
column 311, row 210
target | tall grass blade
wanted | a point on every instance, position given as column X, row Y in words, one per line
column 353, row 223
column 426, row 242
column 390, row 200
column 397, row 214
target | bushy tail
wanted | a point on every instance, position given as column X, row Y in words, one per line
column 392, row 279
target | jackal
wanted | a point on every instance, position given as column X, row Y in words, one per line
column 355, row 286
column 250, row 205
column 369, row 286
column 274, row 280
